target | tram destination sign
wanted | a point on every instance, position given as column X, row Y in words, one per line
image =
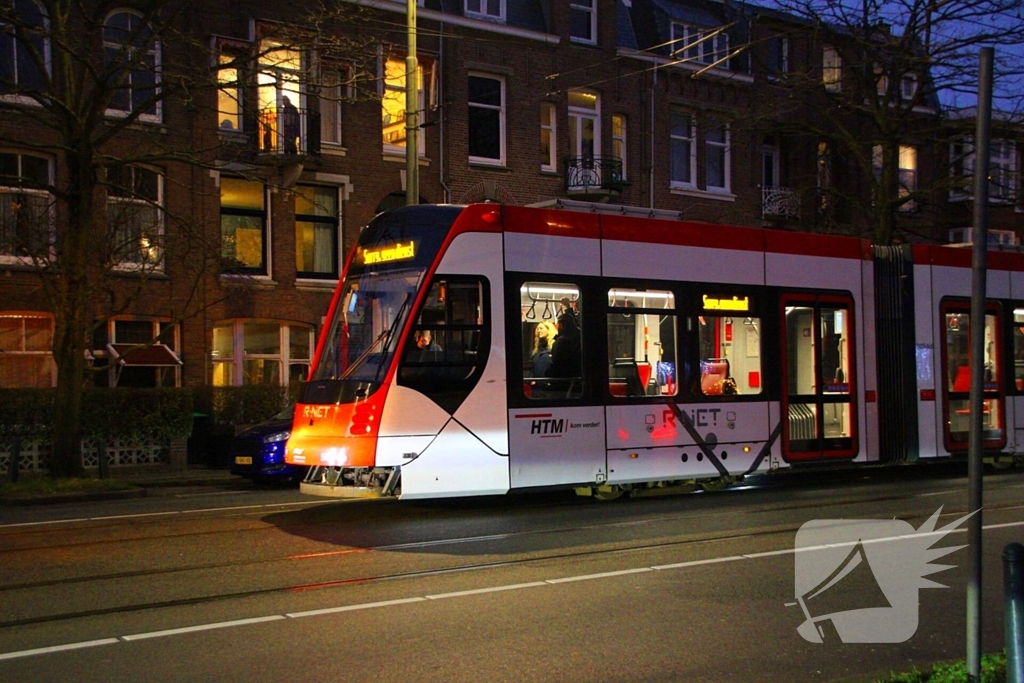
column 389, row 253
column 714, row 303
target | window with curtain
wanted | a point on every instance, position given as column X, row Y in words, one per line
column 243, row 226
column 716, row 155
column 26, row 222
column 316, row 232
column 26, row 350
column 135, row 217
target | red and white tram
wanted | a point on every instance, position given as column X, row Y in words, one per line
column 681, row 353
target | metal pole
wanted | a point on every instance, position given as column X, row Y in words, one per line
column 1013, row 611
column 977, row 340
column 412, row 105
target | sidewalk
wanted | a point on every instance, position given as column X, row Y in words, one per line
column 127, row 482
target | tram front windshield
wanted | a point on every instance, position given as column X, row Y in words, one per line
column 367, row 323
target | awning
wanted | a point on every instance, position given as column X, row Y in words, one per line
column 157, row 355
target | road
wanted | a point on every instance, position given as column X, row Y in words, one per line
column 243, row 584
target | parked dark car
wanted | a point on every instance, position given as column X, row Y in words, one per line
column 258, row 452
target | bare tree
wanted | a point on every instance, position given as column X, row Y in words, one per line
column 85, row 84
column 869, row 93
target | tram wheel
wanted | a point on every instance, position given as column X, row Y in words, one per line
column 1001, row 462
column 606, row 493
column 717, row 484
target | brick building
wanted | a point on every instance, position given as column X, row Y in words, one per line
column 294, row 139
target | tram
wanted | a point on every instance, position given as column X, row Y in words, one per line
column 476, row 350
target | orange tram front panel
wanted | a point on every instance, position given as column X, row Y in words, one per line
column 340, row 435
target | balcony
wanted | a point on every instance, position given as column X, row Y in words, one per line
column 601, row 176
column 779, row 202
column 288, row 136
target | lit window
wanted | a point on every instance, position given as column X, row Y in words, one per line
column 281, row 100
column 717, row 155
column 552, row 361
column 229, row 94
column 548, row 139
column 331, row 95
column 393, row 105
column 641, row 343
column 486, row 119
column 730, row 352
column 906, row 172
column 134, row 216
column 243, row 226
column 133, row 55
column 259, row 352
column 26, row 223
column 619, row 142
column 23, row 62
column 831, row 69
column 316, row 232
column 583, row 21
column 683, row 150
column 486, row 9
column 26, row 346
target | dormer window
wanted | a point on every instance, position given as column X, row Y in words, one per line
column 701, row 45
column 583, row 21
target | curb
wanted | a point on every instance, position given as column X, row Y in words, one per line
column 47, row 499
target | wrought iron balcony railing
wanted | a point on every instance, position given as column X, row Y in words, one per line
column 780, row 201
column 289, row 132
column 593, row 175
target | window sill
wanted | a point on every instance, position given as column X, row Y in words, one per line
column 327, row 149
column 489, row 165
column 400, row 158
column 704, row 194
column 242, row 279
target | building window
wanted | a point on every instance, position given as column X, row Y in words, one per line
column 706, row 46
column 778, row 56
column 619, row 141
column 486, row 9
column 717, row 155
column 26, row 223
column 831, row 69
column 583, row 21
column 137, row 353
column 229, row 94
column 906, row 172
column 26, row 350
column 281, row 100
column 1002, row 172
column 683, row 150
column 908, row 86
column 548, row 138
column 331, row 95
column 21, row 72
column 133, row 53
column 316, row 232
column 135, row 217
column 393, row 105
column 261, row 352
column 486, row 119
column 243, row 226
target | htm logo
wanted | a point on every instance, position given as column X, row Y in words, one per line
column 548, row 427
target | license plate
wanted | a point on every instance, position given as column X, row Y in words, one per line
column 243, row 460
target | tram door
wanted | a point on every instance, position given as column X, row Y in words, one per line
column 819, row 420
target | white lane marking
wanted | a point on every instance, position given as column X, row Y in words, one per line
column 168, row 513
column 201, row 627
column 426, row 598
column 59, row 648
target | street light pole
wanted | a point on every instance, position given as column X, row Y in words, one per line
column 412, row 170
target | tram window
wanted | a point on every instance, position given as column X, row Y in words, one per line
column 446, row 348
column 1018, row 348
column 958, row 376
column 641, row 342
column 730, row 355
column 551, row 322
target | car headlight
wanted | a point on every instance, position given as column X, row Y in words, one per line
column 276, row 437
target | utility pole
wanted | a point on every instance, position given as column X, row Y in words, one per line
column 975, row 444
column 412, row 91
